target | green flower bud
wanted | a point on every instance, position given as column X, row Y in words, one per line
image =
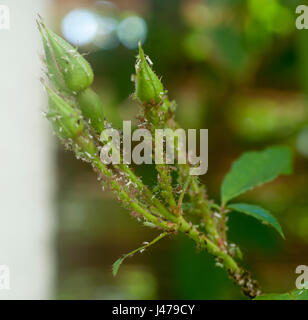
column 54, row 72
column 64, row 119
column 149, row 88
column 92, row 109
column 67, row 68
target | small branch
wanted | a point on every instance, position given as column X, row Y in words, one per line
column 198, row 197
column 127, row 200
column 166, row 187
column 222, row 226
column 201, row 239
column 117, row 264
column 213, row 205
column 185, row 187
column 146, row 192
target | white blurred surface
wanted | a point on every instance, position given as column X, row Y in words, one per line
column 26, row 177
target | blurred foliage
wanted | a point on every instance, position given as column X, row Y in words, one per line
column 236, row 67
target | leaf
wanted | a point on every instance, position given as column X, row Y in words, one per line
column 274, row 296
column 296, row 294
column 255, row 168
column 117, row 264
column 259, row 213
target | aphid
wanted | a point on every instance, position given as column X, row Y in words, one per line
column 149, row 60
column 219, row 265
column 217, row 215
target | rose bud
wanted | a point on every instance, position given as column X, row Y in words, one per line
column 64, row 119
column 67, row 68
column 149, row 88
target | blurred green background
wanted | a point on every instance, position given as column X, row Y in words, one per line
column 236, row 67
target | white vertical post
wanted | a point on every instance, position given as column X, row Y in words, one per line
column 26, row 217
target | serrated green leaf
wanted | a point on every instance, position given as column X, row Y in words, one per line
column 255, row 168
column 296, row 294
column 259, row 213
column 117, row 264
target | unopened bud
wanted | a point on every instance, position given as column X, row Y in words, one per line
column 64, row 119
column 66, row 67
column 149, row 88
column 92, row 109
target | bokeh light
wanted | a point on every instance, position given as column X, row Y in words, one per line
column 80, row 26
column 132, row 30
column 106, row 36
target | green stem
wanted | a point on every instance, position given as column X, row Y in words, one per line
column 144, row 189
column 161, row 236
column 166, row 187
column 126, row 199
column 201, row 203
column 228, row 262
column 185, row 187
